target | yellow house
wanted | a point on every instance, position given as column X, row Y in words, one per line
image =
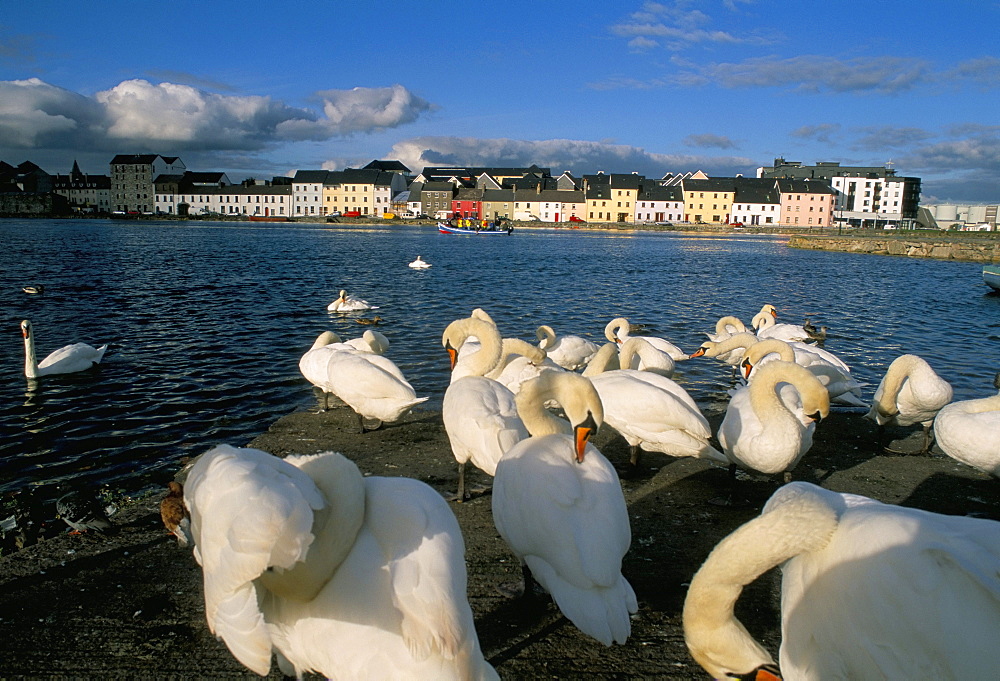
column 709, row 200
column 612, row 198
column 367, row 191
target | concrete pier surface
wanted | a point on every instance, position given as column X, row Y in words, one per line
column 130, row 605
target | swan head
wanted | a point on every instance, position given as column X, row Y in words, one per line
column 26, row 329
column 582, row 433
column 705, row 347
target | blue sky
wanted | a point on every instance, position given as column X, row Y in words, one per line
column 725, row 86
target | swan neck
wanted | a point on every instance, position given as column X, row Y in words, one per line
column 574, row 393
column 761, row 349
column 546, row 336
column 30, row 359
column 335, row 527
column 716, row 638
column 900, row 370
column 604, row 360
column 490, row 345
column 737, row 340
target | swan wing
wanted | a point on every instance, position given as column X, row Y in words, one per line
column 480, row 418
column 72, row 358
column 424, row 551
column 250, row 511
column 860, row 606
column 572, row 516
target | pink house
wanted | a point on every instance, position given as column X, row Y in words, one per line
column 806, row 203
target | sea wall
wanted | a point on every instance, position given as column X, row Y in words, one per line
column 966, row 250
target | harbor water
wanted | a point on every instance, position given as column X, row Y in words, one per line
column 206, row 322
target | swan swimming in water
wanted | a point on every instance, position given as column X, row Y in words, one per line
column 348, row 576
column 868, row 591
column 419, row 264
column 68, row 359
column 558, row 504
column 346, row 303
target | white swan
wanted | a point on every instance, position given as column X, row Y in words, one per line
column 769, row 423
column 617, row 331
column 419, row 264
column 346, row 303
column 766, row 327
column 650, row 411
column 479, row 413
column 725, row 327
column 729, row 350
column 569, row 352
column 33, row 290
column 838, row 382
column 558, row 504
column 66, row 360
column 372, row 385
column 969, row 431
column 868, row 591
column 638, row 353
column 338, row 574
column 520, row 361
column 910, row 393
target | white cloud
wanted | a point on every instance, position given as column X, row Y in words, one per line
column 676, row 27
column 579, row 156
column 137, row 113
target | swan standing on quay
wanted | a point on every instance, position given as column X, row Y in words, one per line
column 346, row 303
column 910, row 393
column 66, row 360
column 969, row 431
column 479, row 414
column 766, row 327
column 835, row 378
column 769, row 423
column 868, row 591
column 371, row 385
column 618, row 329
column 649, row 410
column 558, row 504
column 569, row 352
column 335, row 573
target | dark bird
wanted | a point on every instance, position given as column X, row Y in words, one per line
column 175, row 514
column 82, row 512
column 369, row 321
column 818, row 335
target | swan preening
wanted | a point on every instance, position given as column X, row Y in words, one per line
column 348, row 303
column 66, row 360
column 569, row 352
column 479, row 413
column 910, row 393
column 868, row 591
column 558, row 504
column 334, row 573
column 969, row 431
column 355, row 372
column 769, row 423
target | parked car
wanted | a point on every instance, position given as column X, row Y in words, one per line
column 573, row 218
column 352, row 213
column 333, row 214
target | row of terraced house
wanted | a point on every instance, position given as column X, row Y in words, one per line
column 786, row 194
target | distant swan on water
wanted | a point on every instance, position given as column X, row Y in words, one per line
column 348, row 303
column 420, row 264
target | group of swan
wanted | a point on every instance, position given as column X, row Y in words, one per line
column 868, row 591
column 66, row 360
column 346, row 576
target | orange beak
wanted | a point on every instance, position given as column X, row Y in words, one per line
column 697, row 353
column 452, row 355
column 747, row 368
column 581, row 434
column 774, row 313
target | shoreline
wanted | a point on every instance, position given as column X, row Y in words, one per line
column 130, row 605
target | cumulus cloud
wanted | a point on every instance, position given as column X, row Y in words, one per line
column 35, row 114
column 708, row 140
column 578, row 156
